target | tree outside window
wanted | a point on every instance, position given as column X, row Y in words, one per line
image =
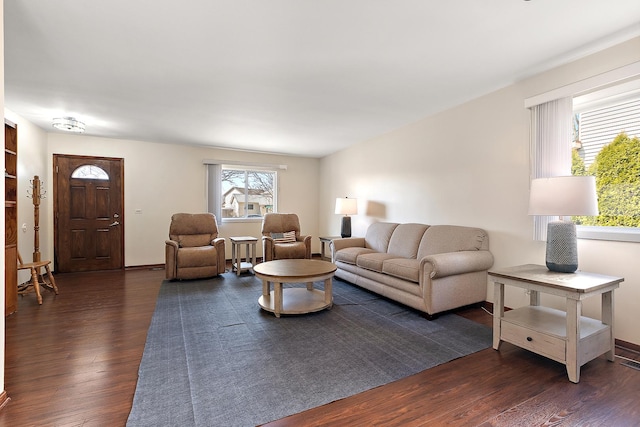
column 247, row 193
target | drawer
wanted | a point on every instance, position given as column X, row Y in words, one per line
column 538, row 342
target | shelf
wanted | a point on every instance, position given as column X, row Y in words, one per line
column 551, row 321
column 10, row 217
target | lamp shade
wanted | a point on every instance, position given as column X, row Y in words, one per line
column 564, row 196
column 346, row 206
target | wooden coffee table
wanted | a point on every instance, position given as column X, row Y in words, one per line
column 295, row 300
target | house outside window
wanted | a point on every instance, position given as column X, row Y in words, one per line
column 607, row 145
column 247, row 193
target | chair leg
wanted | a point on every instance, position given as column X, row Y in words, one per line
column 51, row 279
column 36, row 284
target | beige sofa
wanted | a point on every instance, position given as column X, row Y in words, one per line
column 430, row 268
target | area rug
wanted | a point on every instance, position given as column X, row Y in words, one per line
column 214, row 358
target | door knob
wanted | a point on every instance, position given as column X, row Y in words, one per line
column 114, row 224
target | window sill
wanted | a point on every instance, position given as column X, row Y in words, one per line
column 616, row 234
column 230, row 220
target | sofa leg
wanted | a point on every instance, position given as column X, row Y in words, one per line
column 430, row 316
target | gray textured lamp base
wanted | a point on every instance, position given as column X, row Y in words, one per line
column 562, row 247
column 345, row 230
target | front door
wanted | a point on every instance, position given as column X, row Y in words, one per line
column 88, row 220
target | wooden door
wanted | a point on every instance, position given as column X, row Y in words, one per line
column 88, row 220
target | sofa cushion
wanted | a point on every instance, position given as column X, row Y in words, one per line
column 373, row 261
column 200, row 256
column 194, row 240
column 288, row 237
column 405, row 240
column 402, row 268
column 349, row 255
column 439, row 239
column 378, row 235
column 289, row 250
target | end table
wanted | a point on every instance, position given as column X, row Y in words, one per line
column 236, row 253
column 566, row 337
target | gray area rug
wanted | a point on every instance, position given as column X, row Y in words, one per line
column 214, row 358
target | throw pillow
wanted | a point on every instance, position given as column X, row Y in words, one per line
column 288, row 237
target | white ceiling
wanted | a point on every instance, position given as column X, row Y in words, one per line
column 299, row 77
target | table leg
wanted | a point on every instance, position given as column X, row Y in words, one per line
column 253, row 254
column 265, row 288
column 534, row 297
column 574, row 310
column 277, row 296
column 246, row 249
column 498, row 312
column 233, row 256
column 607, row 319
column 309, row 286
column 328, row 292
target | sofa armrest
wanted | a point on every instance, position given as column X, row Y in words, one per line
column 451, row 263
column 221, row 262
column 346, row 242
column 170, row 255
column 307, row 245
column 267, row 248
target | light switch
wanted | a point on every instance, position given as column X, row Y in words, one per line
column 24, row 227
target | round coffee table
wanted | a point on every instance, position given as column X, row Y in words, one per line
column 294, row 300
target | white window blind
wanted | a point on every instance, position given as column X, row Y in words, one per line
column 214, row 195
column 550, row 144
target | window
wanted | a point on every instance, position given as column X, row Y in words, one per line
column 241, row 191
column 90, row 172
column 598, row 134
column 606, row 144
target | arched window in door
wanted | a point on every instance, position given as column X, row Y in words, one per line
column 90, row 172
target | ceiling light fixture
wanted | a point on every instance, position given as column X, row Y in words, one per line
column 68, row 124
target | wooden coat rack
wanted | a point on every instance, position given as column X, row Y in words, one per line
column 36, row 195
column 37, row 279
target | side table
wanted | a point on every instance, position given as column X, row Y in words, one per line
column 236, row 253
column 566, row 337
column 323, row 242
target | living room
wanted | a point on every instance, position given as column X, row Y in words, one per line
column 466, row 165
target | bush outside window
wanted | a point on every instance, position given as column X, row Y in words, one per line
column 607, row 146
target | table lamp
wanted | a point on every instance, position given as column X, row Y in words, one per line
column 563, row 196
column 346, row 207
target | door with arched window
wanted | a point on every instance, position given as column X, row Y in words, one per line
column 88, row 219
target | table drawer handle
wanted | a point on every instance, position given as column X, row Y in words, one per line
column 529, row 339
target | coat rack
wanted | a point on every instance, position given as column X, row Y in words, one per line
column 36, row 194
column 37, row 279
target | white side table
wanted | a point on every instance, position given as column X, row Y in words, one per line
column 566, row 337
column 323, row 242
column 237, row 263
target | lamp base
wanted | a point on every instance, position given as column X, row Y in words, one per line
column 562, row 247
column 345, row 229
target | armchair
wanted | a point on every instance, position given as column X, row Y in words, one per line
column 275, row 245
column 194, row 249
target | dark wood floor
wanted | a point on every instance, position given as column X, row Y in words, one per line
column 73, row 362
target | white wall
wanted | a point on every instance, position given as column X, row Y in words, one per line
column 470, row 166
column 162, row 179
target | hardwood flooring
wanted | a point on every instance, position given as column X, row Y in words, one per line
column 73, row 362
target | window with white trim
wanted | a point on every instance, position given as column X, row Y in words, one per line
column 241, row 192
column 603, row 141
column 606, row 144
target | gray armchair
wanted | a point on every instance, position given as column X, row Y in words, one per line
column 194, row 249
column 274, row 226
